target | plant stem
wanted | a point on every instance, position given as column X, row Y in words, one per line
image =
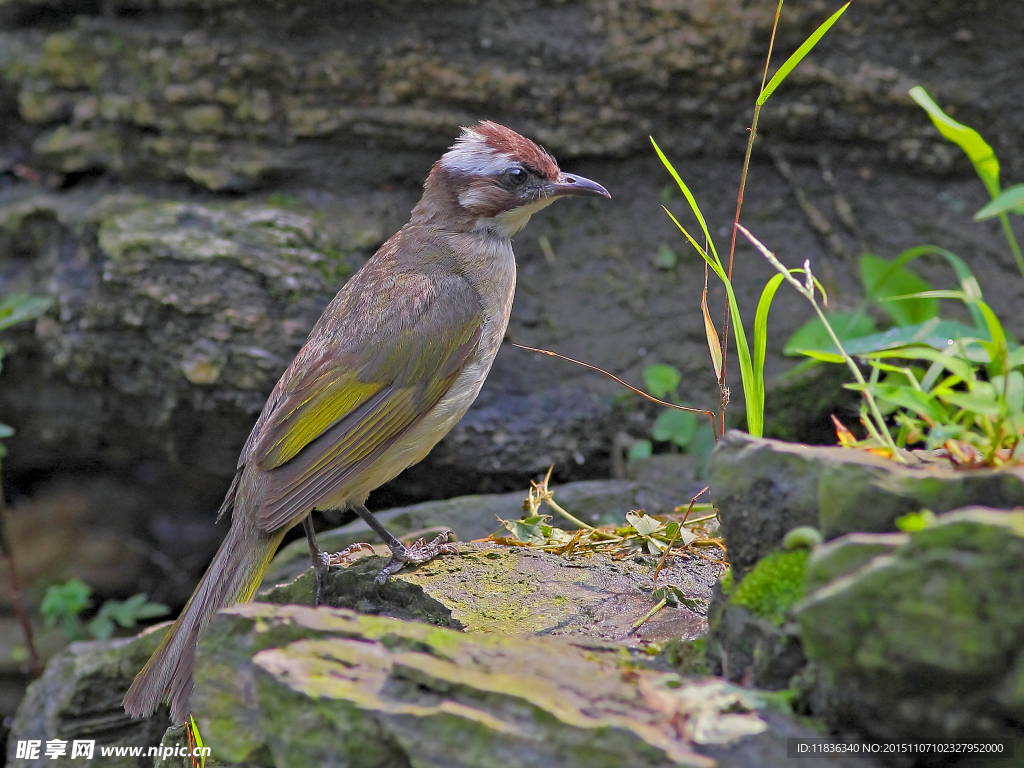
column 872, row 405
column 639, row 622
column 1012, row 240
column 575, row 520
column 34, row 662
column 723, row 397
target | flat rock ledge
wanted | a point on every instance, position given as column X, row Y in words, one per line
column 522, row 591
column 295, row 686
column 497, row 656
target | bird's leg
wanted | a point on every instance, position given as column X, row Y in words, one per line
column 319, row 558
column 418, row 553
column 322, row 561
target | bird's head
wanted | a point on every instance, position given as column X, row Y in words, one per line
column 492, row 180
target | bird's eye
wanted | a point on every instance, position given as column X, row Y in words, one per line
column 516, row 176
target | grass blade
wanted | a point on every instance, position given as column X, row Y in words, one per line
column 969, row 140
column 1011, row 199
column 753, row 388
column 690, row 199
column 799, row 55
column 968, row 282
column 714, row 345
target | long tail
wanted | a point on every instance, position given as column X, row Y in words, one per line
column 232, row 578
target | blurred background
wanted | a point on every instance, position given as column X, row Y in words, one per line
column 191, row 181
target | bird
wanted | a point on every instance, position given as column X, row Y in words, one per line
column 394, row 362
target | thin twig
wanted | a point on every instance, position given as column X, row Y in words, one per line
column 640, row 392
column 693, row 501
column 664, row 555
column 34, row 662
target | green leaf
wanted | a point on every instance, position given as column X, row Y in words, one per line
column 799, row 55
column 1014, row 391
column 6, row 431
column 19, row 307
column 968, row 401
column 822, row 357
column 921, row 403
column 674, row 596
column 812, row 335
column 916, row 521
column 1011, row 199
column 641, row 449
column 753, row 386
column 194, row 728
column 882, row 279
column 968, row 282
column 661, row 379
column 969, row 140
column 677, row 426
column 761, row 326
column 129, row 612
column 642, row 523
column 63, row 602
column 665, row 258
column 948, row 360
column 937, row 334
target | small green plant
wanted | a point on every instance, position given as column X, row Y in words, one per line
column 681, row 429
column 952, row 386
column 64, row 604
column 751, row 360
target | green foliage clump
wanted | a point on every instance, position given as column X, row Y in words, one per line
column 63, row 605
column 682, row 430
column 943, row 383
column 774, row 584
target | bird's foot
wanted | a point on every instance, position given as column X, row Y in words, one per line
column 417, row 554
column 323, row 561
column 346, row 556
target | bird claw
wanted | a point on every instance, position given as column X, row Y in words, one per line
column 346, row 556
column 417, row 554
column 323, row 562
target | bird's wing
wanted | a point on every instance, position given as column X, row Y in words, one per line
column 343, row 407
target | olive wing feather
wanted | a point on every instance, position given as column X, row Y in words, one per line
column 339, row 412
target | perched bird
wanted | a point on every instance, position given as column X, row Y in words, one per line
column 391, row 366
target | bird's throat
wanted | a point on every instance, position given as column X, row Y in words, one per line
column 507, row 223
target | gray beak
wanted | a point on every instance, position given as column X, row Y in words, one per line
column 571, row 184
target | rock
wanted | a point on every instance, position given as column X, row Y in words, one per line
column 288, row 685
column 752, row 637
column 845, row 555
column 765, row 488
column 925, row 640
column 513, row 591
column 214, row 101
column 79, row 697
